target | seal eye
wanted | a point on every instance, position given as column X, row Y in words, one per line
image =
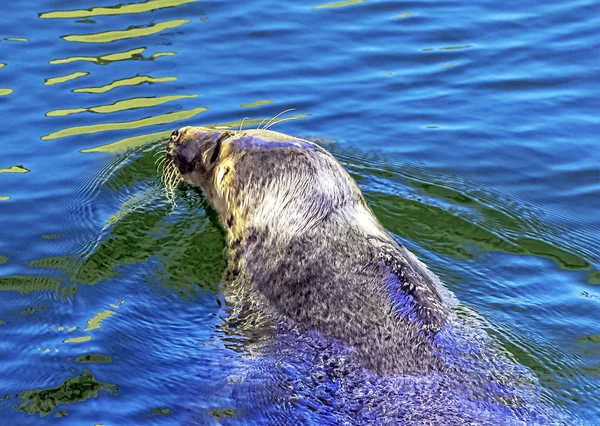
column 175, row 136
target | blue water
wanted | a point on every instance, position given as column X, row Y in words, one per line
column 472, row 130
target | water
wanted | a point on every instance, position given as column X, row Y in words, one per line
column 471, row 129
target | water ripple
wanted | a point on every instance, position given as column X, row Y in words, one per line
column 110, row 36
column 147, row 6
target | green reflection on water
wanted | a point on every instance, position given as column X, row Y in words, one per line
column 450, row 235
column 161, row 411
column 592, row 338
column 125, row 125
column 3, row 259
column 594, row 277
column 28, row 283
column 48, row 262
column 116, row 10
column 224, row 413
column 124, row 105
column 74, row 389
column 94, row 358
column 110, row 36
column 132, row 81
column 27, row 312
column 187, row 241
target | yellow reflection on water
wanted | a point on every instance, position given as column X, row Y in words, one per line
column 131, row 142
column 120, row 105
column 254, row 121
column 4, row 197
column 126, row 125
column 108, row 36
column 15, row 169
column 4, row 92
column 102, row 59
column 132, row 81
column 134, row 141
column 112, row 57
column 16, row 39
column 95, row 322
column 64, row 78
column 2, row 65
column 116, row 10
column 338, row 4
column 260, row 102
column 78, row 339
column 405, row 15
column 159, row 54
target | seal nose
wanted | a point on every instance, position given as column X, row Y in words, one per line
column 178, row 135
column 174, row 136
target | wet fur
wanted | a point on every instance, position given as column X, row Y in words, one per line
column 359, row 318
column 303, row 242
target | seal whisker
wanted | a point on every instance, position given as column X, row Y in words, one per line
column 260, row 124
column 170, row 176
column 278, row 115
column 278, row 121
column 167, row 176
column 161, row 164
column 242, row 124
column 162, row 153
column 163, row 158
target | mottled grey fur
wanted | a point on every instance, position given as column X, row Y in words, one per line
column 350, row 323
column 317, row 256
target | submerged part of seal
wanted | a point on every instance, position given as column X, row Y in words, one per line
column 303, row 245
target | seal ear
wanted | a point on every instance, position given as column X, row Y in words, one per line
column 216, row 147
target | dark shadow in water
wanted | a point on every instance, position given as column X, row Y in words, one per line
column 451, row 222
column 74, row 389
column 187, row 239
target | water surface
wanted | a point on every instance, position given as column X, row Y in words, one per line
column 471, row 129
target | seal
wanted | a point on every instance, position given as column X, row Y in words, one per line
column 357, row 330
column 302, row 243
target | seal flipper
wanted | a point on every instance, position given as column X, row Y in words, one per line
column 419, row 299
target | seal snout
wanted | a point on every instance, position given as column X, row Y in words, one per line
column 187, row 147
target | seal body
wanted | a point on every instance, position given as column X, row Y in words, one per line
column 366, row 335
column 303, row 244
